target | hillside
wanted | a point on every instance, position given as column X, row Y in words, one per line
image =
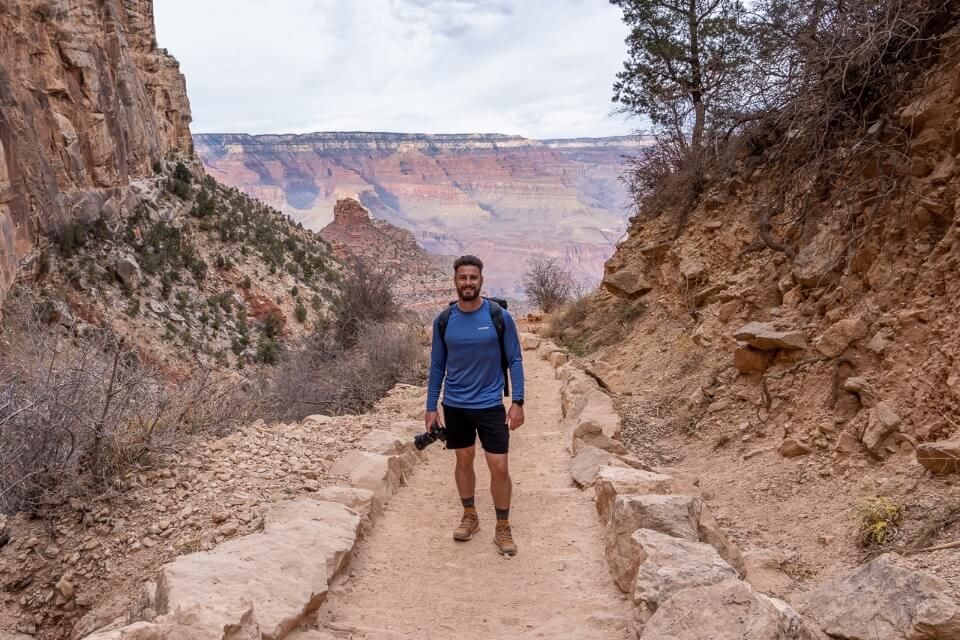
column 803, row 357
column 500, row 197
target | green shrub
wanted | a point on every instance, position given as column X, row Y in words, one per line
column 880, row 520
column 268, row 351
column 182, row 174
column 300, row 312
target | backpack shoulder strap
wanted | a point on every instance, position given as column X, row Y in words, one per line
column 496, row 315
column 442, row 321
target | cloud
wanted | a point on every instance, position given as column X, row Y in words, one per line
column 540, row 68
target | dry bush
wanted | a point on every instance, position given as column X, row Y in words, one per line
column 547, row 283
column 327, row 377
column 75, row 412
column 366, row 297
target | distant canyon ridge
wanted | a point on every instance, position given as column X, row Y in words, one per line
column 503, row 198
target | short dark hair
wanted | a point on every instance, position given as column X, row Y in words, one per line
column 468, row 261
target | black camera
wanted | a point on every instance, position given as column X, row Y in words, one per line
column 422, row 440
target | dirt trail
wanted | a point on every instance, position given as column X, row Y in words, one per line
column 409, row 579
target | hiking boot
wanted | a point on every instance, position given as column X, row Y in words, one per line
column 503, row 538
column 469, row 525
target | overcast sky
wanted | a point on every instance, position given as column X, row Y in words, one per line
column 538, row 68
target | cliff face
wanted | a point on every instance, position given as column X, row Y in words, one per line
column 87, row 104
column 500, row 197
column 419, row 282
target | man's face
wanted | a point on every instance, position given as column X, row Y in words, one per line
column 468, row 281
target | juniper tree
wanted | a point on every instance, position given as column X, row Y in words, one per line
column 684, row 67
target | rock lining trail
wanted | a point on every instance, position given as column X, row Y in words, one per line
column 410, row 579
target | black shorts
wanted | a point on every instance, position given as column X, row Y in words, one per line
column 463, row 426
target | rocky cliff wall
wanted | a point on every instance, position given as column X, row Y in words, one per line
column 88, row 103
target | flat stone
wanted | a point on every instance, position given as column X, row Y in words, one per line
column 360, row 500
column 530, row 342
column 586, row 464
column 627, row 283
column 940, row 457
column 389, row 443
column 763, row 336
column 275, row 578
column 613, row 481
column 380, row 474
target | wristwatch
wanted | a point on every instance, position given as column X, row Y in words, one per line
column 519, row 402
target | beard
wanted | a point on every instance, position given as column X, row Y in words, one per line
column 468, row 293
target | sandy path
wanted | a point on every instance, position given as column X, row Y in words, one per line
column 409, row 578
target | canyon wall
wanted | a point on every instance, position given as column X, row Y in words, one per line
column 88, row 103
column 501, row 197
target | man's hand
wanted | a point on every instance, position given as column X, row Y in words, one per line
column 515, row 417
column 430, row 418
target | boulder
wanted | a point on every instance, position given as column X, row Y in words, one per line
column 530, row 342
column 675, row 516
column 940, row 457
column 626, row 283
column 840, row 335
column 613, row 481
column 883, row 600
column 275, row 578
column 749, row 360
column 763, row 336
column 380, row 474
column 729, row 610
column 881, row 422
column 667, row 566
column 588, row 461
column 127, row 269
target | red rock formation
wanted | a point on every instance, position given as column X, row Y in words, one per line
column 419, row 282
column 87, row 104
column 500, row 197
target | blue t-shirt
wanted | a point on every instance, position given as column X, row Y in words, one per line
column 469, row 367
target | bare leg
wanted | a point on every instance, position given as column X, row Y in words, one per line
column 464, row 474
column 500, row 485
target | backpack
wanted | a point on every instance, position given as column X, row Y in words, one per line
column 497, row 305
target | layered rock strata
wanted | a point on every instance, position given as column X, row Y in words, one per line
column 501, row 197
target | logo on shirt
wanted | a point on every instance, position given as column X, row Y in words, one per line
column 483, row 328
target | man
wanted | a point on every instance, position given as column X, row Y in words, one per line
column 466, row 360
